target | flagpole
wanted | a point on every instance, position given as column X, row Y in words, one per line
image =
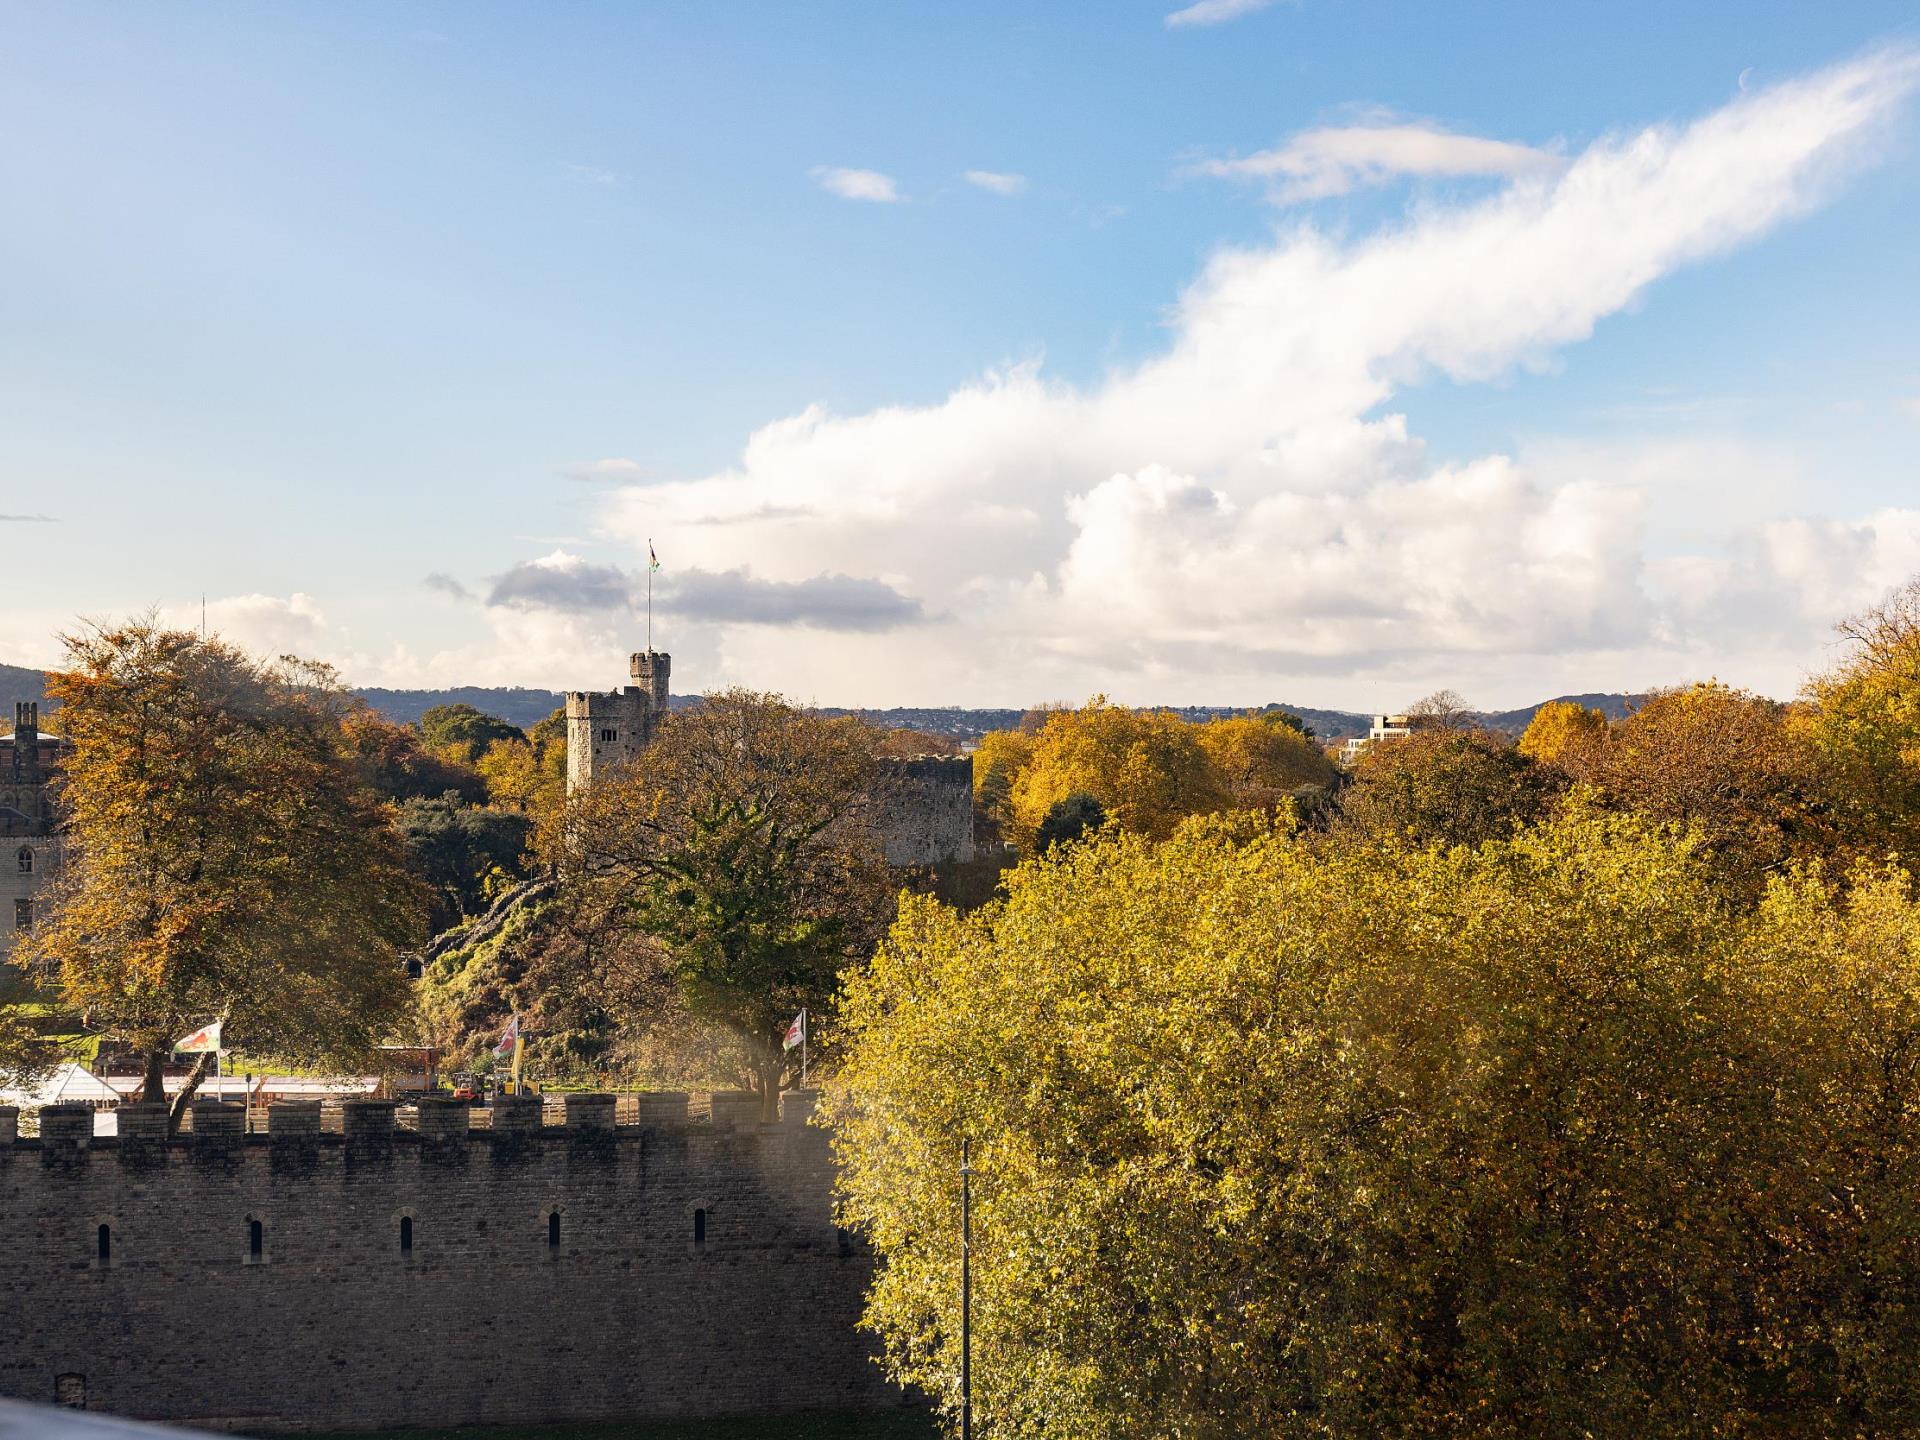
column 649, row 597
column 806, row 1024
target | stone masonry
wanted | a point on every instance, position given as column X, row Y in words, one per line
column 29, row 838
column 433, row 1276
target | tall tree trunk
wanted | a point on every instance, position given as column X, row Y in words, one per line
column 153, row 1088
column 201, row 1066
column 767, row 1075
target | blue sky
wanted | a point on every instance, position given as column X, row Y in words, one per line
column 302, row 305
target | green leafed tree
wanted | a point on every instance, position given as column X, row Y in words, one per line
column 737, row 847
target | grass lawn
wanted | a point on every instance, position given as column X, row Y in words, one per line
column 897, row 1425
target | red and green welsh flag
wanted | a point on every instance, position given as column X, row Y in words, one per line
column 201, row 1042
column 796, row 1032
column 508, row 1037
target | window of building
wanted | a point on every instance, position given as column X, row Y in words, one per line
column 23, row 914
column 256, row 1239
column 70, row 1391
column 609, row 736
column 103, row 1245
column 25, row 859
column 553, row 1230
column 699, row 1227
column 406, row 1234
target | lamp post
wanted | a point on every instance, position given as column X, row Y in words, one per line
column 966, row 1295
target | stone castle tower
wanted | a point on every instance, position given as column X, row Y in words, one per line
column 606, row 731
column 29, row 836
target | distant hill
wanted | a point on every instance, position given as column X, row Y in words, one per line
column 18, row 684
column 524, row 707
column 512, row 704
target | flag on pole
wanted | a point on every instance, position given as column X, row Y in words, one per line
column 201, row 1042
column 653, row 560
column 796, row 1032
column 508, row 1038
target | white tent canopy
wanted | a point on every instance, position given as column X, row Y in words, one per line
column 68, row 1084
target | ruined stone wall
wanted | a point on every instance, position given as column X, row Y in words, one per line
column 433, row 1277
column 923, row 810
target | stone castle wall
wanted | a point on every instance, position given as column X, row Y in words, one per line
column 432, row 1277
column 923, row 810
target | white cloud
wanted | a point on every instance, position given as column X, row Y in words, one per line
column 857, row 184
column 1242, row 511
column 267, row 625
column 615, row 468
column 999, row 182
column 1214, row 12
column 1336, row 159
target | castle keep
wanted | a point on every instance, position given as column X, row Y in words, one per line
column 633, row 1262
column 922, row 807
column 29, row 842
column 605, row 731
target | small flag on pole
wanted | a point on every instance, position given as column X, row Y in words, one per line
column 201, row 1042
column 796, row 1032
column 508, row 1038
column 653, row 560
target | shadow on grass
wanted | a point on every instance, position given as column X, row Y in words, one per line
column 893, row 1425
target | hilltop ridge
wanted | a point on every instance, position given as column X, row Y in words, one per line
column 524, row 707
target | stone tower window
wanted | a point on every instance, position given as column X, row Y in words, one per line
column 553, row 1230
column 103, row 1245
column 256, row 1239
column 23, row 914
column 406, row 1234
column 609, row 736
column 25, row 859
column 700, row 1227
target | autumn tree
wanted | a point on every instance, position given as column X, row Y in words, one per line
column 1283, row 1137
column 997, row 762
column 1147, row 769
column 1862, row 721
column 1445, row 787
column 1567, row 736
column 1261, row 760
column 1728, row 763
column 226, row 857
column 1443, row 710
column 737, row 843
column 464, row 733
column 396, row 765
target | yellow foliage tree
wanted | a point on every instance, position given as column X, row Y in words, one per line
column 1280, row 1138
column 1261, row 761
column 1566, row 736
column 1147, row 769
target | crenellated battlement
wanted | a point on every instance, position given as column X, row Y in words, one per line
column 665, row 1254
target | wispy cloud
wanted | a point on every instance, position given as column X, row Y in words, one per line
column 28, row 520
column 1214, row 12
column 444, row 583
column 998, row 181
column 562, row 581
column 823, row 602
column 570, row 584
column 614, row 468
column 849, row 184
column 594, row 175
column 1336, row 159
